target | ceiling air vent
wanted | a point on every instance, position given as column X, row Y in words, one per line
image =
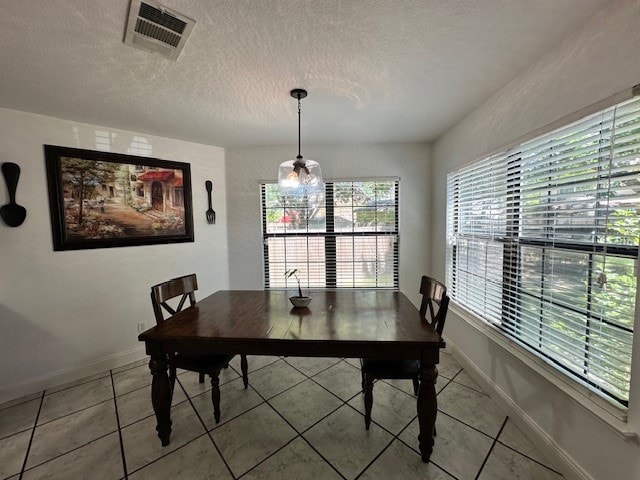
column 157, row 29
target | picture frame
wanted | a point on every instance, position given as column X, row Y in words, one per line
column 103, row 199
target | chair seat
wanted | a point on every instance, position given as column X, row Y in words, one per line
column 201, row 362
column 390, row 368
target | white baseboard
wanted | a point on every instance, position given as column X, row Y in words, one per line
column 545, row 443
column 62, row 377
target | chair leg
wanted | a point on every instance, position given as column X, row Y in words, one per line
column 201, row 377
column 245, row 368
column 368, row 399
column 172, row 377
column 362, row 379
column 416, row 386
column 215, row 393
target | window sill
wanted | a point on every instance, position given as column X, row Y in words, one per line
column 611, row 415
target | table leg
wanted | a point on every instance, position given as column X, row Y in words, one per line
column 427, row 409
column 161, row 396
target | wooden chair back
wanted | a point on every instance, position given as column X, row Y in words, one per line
column 163, row 292
column 435, row 303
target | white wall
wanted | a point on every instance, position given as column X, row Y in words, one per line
column 597, row 62
column 247, row 166
column 67, row 314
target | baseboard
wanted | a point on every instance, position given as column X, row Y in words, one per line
column 61, row 377
column 545, row 443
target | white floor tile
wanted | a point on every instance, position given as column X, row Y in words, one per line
column 72, row 399
column 136, row 405
column 254, row 362
column 353, row 361
column 12, row 452
column 305, row 404
column 234, row 401
column 296, row 461
column 310, row 365
column 68, row 433
column 513, row 437
column 448, row 366
column 141, row 442
column 458, row 449
column 506, row 464
column 197, row 460
column 77, row 382
column 18, row 401
column 142, row 361
column 18, row 417
column 247, row 440
column 465, row 379
column 77, row 437
column 132, row 379
column 190, row 381
column 393, row 409
column 102, row 458
column 275, row 378
column 471, row 407
column 399, row 461
column 343, row 380
column 342, row 439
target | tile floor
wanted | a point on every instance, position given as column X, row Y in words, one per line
column 301, row 418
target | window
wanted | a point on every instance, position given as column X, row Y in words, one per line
column 542, row 243
column 347, row 239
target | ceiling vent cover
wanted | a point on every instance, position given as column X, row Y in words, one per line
column 155, row 28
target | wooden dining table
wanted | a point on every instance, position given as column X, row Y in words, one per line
column 342, row 323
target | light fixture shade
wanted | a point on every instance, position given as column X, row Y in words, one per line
column 300, row 177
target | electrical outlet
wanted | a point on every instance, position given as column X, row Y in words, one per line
column 141, row 327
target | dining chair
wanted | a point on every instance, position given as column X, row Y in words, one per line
column 204, row 364
column 433, row 310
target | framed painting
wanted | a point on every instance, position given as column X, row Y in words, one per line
column 103, row 199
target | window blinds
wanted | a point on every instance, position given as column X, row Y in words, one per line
column 348, row 238
column 543, row 244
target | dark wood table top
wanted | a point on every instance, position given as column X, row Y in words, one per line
column 342, row 322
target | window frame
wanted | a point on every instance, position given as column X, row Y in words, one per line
column 331, row 235
column 513, row 243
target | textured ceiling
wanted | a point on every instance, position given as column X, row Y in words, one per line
column 377, row 71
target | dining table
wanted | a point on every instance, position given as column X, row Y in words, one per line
column 341, row 323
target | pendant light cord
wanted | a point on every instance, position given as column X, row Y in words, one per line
column 299, row 154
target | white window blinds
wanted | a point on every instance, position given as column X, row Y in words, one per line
column 543, row 244
column 348, row 238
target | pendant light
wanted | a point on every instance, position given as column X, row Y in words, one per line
column 300, row 177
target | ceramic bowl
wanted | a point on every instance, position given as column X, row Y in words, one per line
column 300, row 302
